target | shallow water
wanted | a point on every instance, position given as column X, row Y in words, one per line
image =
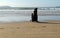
column 27, row 18
column 46, row 18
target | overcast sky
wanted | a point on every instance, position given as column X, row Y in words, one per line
column 30, row 3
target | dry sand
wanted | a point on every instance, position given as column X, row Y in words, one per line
column 30, row 30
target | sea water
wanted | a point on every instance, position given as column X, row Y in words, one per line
column 25, row 15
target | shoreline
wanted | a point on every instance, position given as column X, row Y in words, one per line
column 46, row 21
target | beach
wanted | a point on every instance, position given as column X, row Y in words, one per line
column 30, row 30
column 17, row 24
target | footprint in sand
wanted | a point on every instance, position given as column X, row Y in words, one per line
column 1, row 28
column 18, row 27
column 44, row 26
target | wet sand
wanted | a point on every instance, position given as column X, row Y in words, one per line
column 30, row 30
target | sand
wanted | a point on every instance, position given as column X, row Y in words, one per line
column 29, row 30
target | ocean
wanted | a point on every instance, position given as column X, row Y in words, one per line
column 25, row 15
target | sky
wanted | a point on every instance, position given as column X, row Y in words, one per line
column 30, row 3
